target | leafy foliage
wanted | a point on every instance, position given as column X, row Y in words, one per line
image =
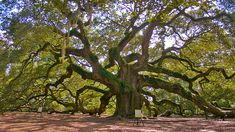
column 86, row 56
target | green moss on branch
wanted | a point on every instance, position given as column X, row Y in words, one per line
column 85, row 74
column 93, row 57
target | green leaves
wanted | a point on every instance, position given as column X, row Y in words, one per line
column 134, row 15
column 200, row 42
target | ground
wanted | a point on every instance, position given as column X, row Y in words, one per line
column 29, row 121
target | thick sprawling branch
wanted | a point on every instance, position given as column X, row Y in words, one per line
column 114, row 53
column 168, row 72
column 145, row 43
column 173, row 74
column 75, row 52
column 179, row 90
column 130, row 36
column 84, row 38
column 102, row 76
column 132, row 57
column 104, row 101
column 78, row 30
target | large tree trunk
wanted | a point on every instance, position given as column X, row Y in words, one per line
column 129, row 98
column 127, row 102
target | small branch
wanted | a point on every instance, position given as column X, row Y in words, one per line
column 190, row 63
column 130, row 35
column 209, row 17
column 59, row 81
column 81, row 90
column 221, row 70
column 27, row 61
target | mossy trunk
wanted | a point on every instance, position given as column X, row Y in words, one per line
column 127, row 102
column 129, row 98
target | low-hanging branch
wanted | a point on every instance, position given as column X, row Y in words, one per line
column 179, row 90
column 60, row 80
column 104, row 99
column 163, row 101
column 134, row 67
column 101, row 75
column 60, row 101
column 27, row 61
column 150, row 107
column 173, row 74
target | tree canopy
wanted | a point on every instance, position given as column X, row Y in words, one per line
column 96, row 56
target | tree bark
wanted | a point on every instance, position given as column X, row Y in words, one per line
column 129, row 98
column 126, row 104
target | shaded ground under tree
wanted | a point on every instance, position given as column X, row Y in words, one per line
column 23, row 121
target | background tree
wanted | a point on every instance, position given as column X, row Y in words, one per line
column 121, row 50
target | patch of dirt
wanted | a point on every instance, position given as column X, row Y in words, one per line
column 29, row 121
